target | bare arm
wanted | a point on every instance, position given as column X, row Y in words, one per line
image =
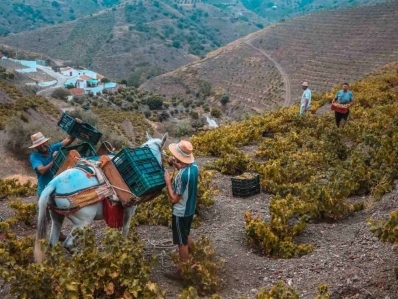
column 174, row 198
column 44, row 169
column 68, row 140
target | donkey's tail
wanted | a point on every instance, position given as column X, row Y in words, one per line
column 41, row 222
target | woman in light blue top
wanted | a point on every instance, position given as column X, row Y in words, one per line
column 343, row 96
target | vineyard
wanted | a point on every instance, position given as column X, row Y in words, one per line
column 252, row 82
column 325, row 48
column 315, row 226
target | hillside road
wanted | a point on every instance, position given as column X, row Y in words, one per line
column 61, row 79
column 280, row 69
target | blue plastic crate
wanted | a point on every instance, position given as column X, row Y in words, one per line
column 140, row 170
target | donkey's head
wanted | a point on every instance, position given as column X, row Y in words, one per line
column 156, row 145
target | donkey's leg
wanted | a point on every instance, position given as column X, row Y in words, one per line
column 128, row 213
column 80, row 219
column 56, row 225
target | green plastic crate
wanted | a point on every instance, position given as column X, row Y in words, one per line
column 140, row 170
column 84, row 149
column 83, row 131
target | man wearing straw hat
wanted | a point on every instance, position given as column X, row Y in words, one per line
column 42, row 160
column 305, row 103
column 182, row 193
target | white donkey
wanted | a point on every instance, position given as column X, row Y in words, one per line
column 69, row 182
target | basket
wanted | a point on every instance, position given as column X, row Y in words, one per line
column 83, row 131
column 113, row 213
column 84, row 149
column 140, row 170
column 246, row 187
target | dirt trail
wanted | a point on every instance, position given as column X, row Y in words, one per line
column 280, row 69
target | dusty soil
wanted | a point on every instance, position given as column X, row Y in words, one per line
column 346, row 257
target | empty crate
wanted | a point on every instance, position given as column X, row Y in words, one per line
column 245, row 187
column 84, row 149
column 140, row 170
column 83, row 131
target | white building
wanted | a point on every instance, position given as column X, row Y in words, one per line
column 69, row 72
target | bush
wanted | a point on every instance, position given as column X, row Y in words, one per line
column 154, row 103
column 202, row 269
column 60, row 94
column 224, row 99
column 117, row 141
column 86, row 116
column 18, row 132
column 117, row 268
column 215, row 112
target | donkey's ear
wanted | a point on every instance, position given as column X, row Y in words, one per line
column 148, row 137
column 164, row 138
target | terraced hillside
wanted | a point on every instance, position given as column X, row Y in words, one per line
column 140, row 38
column 325, row 48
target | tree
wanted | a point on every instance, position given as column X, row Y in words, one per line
column 215, row 112
column 224, row 99
column 176, row 44
column 105, row 80
column 154, row 103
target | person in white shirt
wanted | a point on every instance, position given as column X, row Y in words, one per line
column 305, row 99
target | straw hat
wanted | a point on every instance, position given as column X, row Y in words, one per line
column 305, row 83
column 38, row 139
column 182, row 151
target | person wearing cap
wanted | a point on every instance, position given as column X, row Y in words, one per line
column 42, row 160
column 345, row 97
column 305, row 99
column 182, row 193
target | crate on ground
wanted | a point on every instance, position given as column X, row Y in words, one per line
column 84, row 149
column 246, row 185
column 83, row 131
column 140, row 170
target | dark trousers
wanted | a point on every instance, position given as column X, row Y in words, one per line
column 340, row 116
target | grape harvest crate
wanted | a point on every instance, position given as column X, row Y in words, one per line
column 140, row 170
column 84, row 149
column 83, row 131
column 245, row 187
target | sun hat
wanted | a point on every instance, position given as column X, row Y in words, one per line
column 38, row 139
column 305, row 83
column 182, row 151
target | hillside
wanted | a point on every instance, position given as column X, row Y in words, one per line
column 17, row 16
column 325, row 48
column 140, row 39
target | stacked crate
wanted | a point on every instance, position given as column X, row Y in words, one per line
column 140, row 170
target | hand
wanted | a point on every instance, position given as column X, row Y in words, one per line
column 78, row 120
column 167, row 178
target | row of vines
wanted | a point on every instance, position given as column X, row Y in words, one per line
column 310, row 166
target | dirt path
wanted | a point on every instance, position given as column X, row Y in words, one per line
column 280, row 69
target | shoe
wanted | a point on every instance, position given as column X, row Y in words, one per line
column 173, row 275
column 62, row 237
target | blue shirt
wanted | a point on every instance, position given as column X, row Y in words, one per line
column 344, row 97
column 305, row 97
column 186, row 185
column 38, row 159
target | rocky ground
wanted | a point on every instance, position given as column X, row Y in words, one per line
column 346, row 257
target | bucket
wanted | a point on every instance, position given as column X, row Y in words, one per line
column 113, row 213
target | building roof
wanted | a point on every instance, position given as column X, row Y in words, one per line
column 110, row 85
column 76, row 91
column 63, row 69
column 99, row 76
column 84, row 77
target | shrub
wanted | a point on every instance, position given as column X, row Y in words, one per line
column 12, row 187
column 215, row 112
column 202, row 269
column 60, row 94
column 224, row 99
column 86, row 116
column 24, row 213
column 118, row 268
column 18, row 132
